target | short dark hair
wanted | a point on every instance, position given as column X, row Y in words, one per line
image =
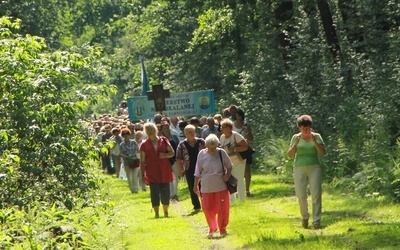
column 194, row 120
column 305, row 121
column 240, row 112
column 126, row 131
column 113, row 130
column 182, row 124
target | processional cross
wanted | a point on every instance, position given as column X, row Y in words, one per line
column 158, row 95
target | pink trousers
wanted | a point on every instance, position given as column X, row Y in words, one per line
column 216, row 209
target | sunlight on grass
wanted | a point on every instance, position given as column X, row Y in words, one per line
column 269, row 220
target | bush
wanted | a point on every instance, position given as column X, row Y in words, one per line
column 44, row 146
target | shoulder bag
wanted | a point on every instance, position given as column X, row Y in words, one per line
column 134, row 163
column 238, row 154
column 172, row 159
column 245, row 154
column 231, row 183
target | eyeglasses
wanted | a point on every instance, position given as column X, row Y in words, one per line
column 125, row 134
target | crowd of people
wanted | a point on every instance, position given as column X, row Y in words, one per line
column 205, row 151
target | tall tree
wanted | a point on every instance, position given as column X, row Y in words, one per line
column 41, row 18
column 329, row 28
column 352, row 24
column 283, row 15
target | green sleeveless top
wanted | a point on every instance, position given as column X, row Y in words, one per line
column 306, row 152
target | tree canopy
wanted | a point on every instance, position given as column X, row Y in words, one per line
column 335, row 60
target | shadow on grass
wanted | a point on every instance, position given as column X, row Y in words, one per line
column 270, row 188
column 332, row 217
column 273, row 191
column 368, row 236
column 366, row 233
column 193, row 212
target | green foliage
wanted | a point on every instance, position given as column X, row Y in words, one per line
column 373, row 179
column 212, row 23
column 39, row 226
column 272, row 58
column 40, row 18
column 45, row 147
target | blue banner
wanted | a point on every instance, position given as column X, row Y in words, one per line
column 181, row 104
column 145, row 80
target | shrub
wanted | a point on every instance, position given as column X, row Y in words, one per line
column 43, row 145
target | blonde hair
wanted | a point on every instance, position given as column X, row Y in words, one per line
column 139, row 133
column 149, row 125
column 189, row 127
column 227, row 123
column 218, row 117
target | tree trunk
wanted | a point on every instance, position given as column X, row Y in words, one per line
column 351, row 22
column 283, row 14
column 329, row 28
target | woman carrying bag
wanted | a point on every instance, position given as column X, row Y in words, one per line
column 128, row 152
column 241, row 126
column 213, row 169
column 234, row 143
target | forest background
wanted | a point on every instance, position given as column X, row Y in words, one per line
column 62, row 61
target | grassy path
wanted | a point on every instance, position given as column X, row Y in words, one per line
column 269, row 220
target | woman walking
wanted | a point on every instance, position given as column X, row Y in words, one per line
column 213, row 168
column 241, row 126
column 128, row 151
column 233, row 143
column 156, row 167
column 306, row 147
column 174, row 140
column 186, row 157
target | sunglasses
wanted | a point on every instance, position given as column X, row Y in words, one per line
column 125, row 134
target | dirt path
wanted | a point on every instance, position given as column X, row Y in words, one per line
column 201, row 227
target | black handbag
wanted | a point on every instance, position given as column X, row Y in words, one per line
column 248, row 153
column 231, row 183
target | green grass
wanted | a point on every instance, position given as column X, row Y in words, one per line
column 269, row 220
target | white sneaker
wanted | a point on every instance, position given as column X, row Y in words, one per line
column 223, row 235
column 210, row 235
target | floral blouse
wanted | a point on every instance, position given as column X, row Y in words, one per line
column 130, row 149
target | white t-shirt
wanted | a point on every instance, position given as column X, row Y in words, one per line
column 233, row 140
column 243, row 131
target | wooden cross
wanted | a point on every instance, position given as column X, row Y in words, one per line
column 158, row 95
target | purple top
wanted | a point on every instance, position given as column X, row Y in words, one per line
column 209, row 169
